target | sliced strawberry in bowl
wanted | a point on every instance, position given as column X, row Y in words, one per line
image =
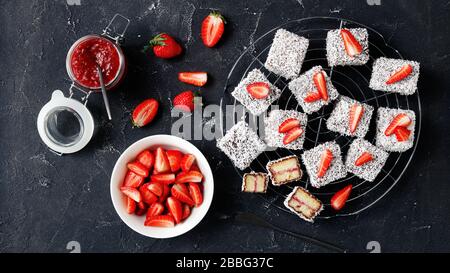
column 258, row 90
column 402, row 134
column 160, row 221
column 189, row 176
column 325, row 162
column 155, row 209
column 174, row 157
column 138, row 168
column 166, row 193
column 132, row 193
column 321, row 84
column 162, row 164
column 181, row 192
column 356, row 113
column 131, row 205
column 351, row 44
column 147, row 196
column 187, row 161
column 156, row 188
column 146, row 158
column 364, row 158
column 176, row 209
column 167, row 178
column 196, row 193
column 340, row 198
column 186, row 211
column 133, row 180
column 288, row 124
column 292, row 135
column 401, row 74
column 194, row 78
column 401, row 120
column 312, row 97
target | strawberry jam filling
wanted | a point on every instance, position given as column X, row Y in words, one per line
column 90, row 53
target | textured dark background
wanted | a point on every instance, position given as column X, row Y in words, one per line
column 47, row 201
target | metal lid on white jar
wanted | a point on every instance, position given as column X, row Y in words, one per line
column 64, row 124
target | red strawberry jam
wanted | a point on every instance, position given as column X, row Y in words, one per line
column 85, row 57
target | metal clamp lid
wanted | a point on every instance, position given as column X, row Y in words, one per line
column 116, row 28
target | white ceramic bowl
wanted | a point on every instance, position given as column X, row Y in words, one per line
column 137, row 222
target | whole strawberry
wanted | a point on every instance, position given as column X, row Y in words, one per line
column 164, row 46
column 184, row 101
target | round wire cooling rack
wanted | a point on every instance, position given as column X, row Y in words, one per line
column 351, row 81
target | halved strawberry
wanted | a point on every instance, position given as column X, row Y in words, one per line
column 175, row 208
column 288, row 124
column 156, row 188
column 402, row 134
column 325, row 162
column 174, row 157
column 180, row 192
column 160, row 221
column 356, row 113
column 166, row 192
column 292, row 135
column 401, row 120
column 213, row 27
column 161, row 162
column 195, row 168
column 138, row 168
column 339, row 198
column 131, row 205
column 187, row 161
column 363, row 159
column 312, row 97
column 258, row 90
column 147, row 196
column 194, row 78
column 186, row 211
column 145, row 112
column 321, row 84
column 132, row 180
column 146, row 158
column 196, row 193
column 155, row 209
column 351, row 44
column 142, row 205
column 401, row 74
column 167, row 178
column 132, row 193
column 189, row 176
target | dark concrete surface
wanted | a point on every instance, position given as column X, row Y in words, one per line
column 47, row 201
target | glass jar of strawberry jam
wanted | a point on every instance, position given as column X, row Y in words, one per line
column 65, row 124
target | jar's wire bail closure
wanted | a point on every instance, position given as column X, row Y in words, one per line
column 116, row 28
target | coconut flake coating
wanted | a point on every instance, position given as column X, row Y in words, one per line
column 390, row 143
column 275, row 139
column 304, row 84
column 255, row 106
column 311, row 160
column 384, row 68
column 339, row 120
column 370, row 170
column 336, row 54
column 241, row 144
column 286, row 54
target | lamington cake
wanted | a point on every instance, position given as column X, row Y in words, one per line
column 324, row 164
column 347, row 46
column 255, row 92
column 241, row 144
column 395, row 129
column 350, row 117
column 286, row 54
column 284, row 170
column 255, row 182
column 313, row 89
column 365, row 160
column 395, row 75
column 285, row 129
column 304, row 204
